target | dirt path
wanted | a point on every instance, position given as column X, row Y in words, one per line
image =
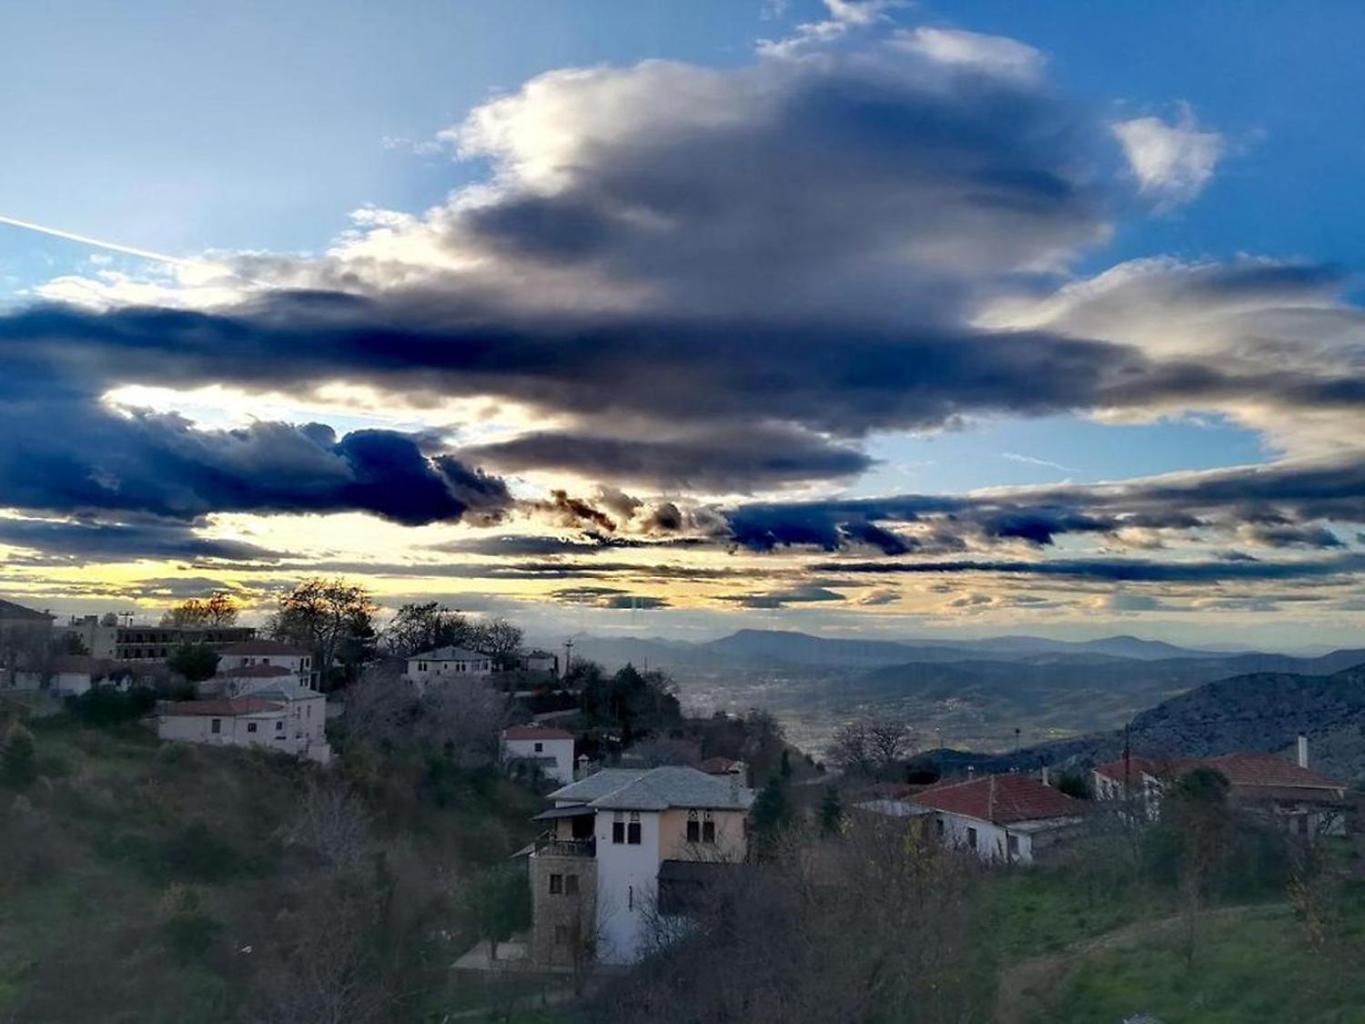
column 1020, row 992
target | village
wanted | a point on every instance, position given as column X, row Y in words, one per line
column 647, row 818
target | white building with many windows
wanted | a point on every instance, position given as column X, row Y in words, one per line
column 637, row 843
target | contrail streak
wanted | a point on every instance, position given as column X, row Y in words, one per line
column 71, row 236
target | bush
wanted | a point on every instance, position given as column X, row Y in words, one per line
column 18, row 761
column 187, row 930
column 104, row 706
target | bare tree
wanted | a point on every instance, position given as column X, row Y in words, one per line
column 218, row 609
column 499, row 639
column 871, row 746
column 424, row 627
column 851, row 749
column 332, row 618
column 871, row 926
column 466, row 718
column 334, row 824
column 381, row 705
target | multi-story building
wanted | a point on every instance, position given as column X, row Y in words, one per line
column 551, row 750
column 105, row 637
column 244, row 655
column 25, row 638
column 625, row 851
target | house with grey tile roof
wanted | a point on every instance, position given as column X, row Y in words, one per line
column 617, row 844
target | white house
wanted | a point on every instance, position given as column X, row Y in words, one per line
column 70, row 675
column 448, row 663
column 551, row 749
column 275, row 712
column 1000, row 818
column 249, row 654
column 626, row 849
column 540, row 661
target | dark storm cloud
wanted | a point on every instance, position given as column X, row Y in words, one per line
column 1117, row 570
column 81, row 543
column 716, row 462
column 609, row 597
column 82, row 457
column 1280, row 505
column 807, row 593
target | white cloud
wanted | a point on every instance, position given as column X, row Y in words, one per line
column 996, row 55
column 1171, row 161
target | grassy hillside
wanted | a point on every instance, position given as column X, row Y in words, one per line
column 148, row 882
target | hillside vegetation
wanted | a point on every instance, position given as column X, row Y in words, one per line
column 143, row 882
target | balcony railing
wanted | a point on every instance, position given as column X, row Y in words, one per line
column 548, row 846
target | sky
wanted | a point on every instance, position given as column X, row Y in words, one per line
column 855, row 316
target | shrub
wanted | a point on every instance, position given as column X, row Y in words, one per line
column 104, row 706
column 18, row 761
column 186, row 929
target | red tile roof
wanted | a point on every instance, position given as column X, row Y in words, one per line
column 1246, row 770
column 534, row 732
column 219, row 708
column 1000, row 799
column 1254, row 770
column 263, row 647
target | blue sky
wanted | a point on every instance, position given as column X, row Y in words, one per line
column 212, row 132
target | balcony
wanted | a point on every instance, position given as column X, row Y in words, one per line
column 549, row 846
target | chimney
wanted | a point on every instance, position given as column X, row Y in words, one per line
column 1303, row 751
column 1045, row 778
column 971, row 771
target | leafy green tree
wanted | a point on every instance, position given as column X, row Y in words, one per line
column 196, row 662
column 18, row 760
column 1074, row 784
column 498, row 902
column 831, row 812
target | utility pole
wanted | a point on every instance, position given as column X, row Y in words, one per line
column 568, row 656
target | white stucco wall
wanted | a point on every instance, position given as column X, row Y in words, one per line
column 234, row 731
column 444, row 671
column 627, row 879
column 560, row 750
column 991, row 840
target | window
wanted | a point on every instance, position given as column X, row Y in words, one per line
column 633, row 829
column 708, row 828
column 250, row 726
column 540, row 747
column 971, row 838
column 279, row 726
column 630, row 897
column 216, row 725
column 618, row 828
column 1012, row 845
column 693, row 827
column 570, row 885
column 938, row 827
column 556, row 885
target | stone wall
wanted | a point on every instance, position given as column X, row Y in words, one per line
column 563, row 922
